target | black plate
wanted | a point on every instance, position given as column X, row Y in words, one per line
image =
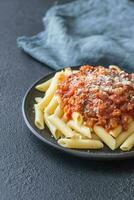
column 45, row 135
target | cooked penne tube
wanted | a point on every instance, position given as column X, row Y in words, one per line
column 44, row 86
column 61, row 126
column 83, row 130
column 55, row 132
column 58, row 111
column 64, row 117
column 39, row 118
column 80, row 143
column 58, row 99
column 50, row 109
column 124, row 135
column 77, row 117
column 115, row 132
column 50, row 92
column 128, row 144
column 75, row 71
column 105, row 136
column 68, row 71
column 95, row 137
column 77, row 136
column 52, row 106
column 38, row 99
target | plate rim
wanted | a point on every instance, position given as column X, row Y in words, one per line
column 72, row 152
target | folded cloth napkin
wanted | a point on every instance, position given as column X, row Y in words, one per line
column 85, row 31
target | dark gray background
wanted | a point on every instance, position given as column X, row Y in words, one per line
column 29, row 170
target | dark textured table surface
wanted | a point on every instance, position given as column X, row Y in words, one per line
column 29, row 170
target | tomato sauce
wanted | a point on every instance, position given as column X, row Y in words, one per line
column 103, row 96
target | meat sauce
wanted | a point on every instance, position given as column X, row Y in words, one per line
column 103, row 96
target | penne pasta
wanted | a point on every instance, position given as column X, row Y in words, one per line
column 80, row 143
column 75, row 71
column 61, row 126
column 128, row 144
column 58, row 99
column 38, row 99
column 50, row 92
column 55, row 132
column 105, row 137
column 39, row 119
column 68, row 71
column 83, row 130
column 77, row 117
column 58, row 111
column 115, row 132
column 124, row 135
column 52, row 106
column 64, row 118
column 77, row 136
column 50, row 109
column 44, row 86
column 95, row 137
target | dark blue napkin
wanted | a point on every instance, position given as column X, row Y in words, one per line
column 85, row 31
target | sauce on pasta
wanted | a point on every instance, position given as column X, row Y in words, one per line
column 103, row 96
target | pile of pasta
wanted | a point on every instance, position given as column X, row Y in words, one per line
column 73, row 133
